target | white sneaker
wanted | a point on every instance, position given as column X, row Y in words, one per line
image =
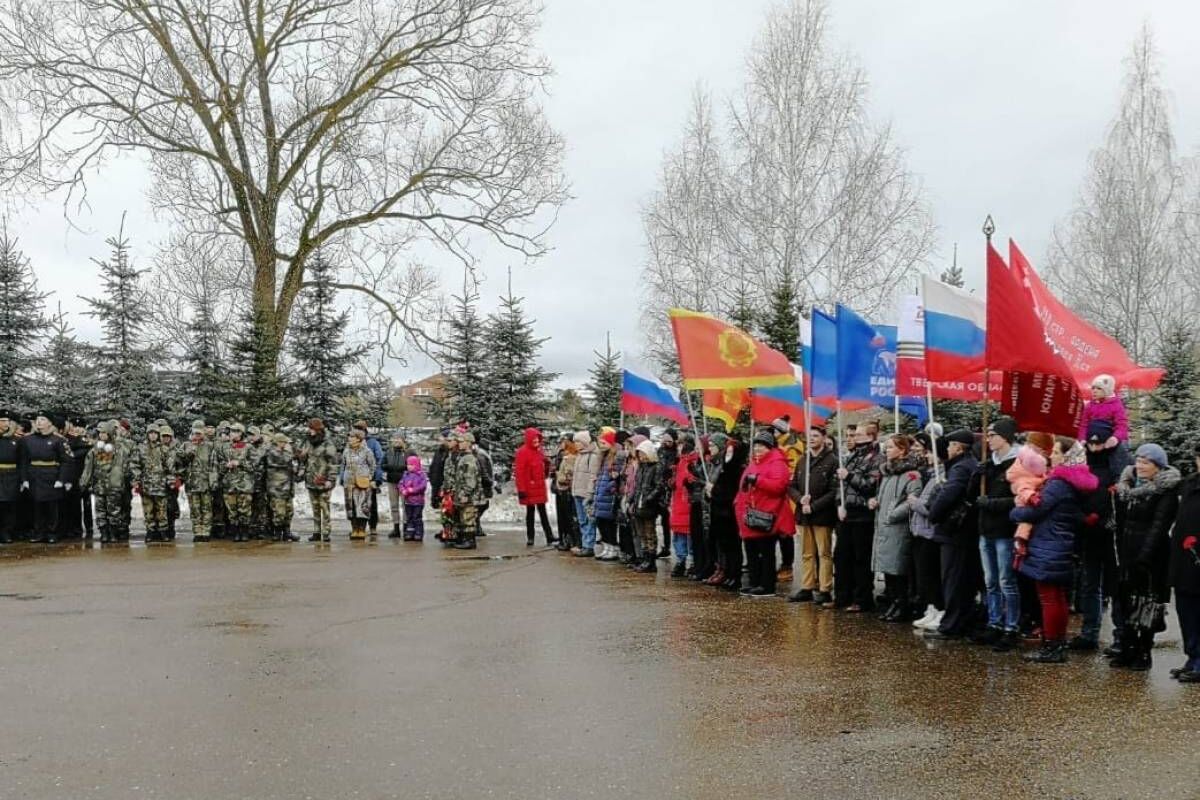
column 936, row 622
column 929, row 612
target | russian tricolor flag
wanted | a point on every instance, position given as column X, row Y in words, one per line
column 955, row 332
column 644, row 395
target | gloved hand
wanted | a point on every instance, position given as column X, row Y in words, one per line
column 1091, row 520
column 67, row 486
column 58, row 484
column 24, row 486
column 842, row 513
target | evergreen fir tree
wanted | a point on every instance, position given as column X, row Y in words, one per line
column 204, row 385
column 604, row 387
column 781, row 328
column 953, row 275
column 125, row 361
column 462, row 360
column 378, row 395
column 68, row 381
column 255, row 393
column 1174, row 408
column 742, row 314
column 22, row 324
column 317, row 345
column 512, row 378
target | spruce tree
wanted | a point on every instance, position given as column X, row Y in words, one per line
column 604, row 407
column 1174, row 407
column 125, row 359
column 781, row 328
column 317, row 345
column 68, row 381
column 512, row 377
column 22, row 324
column 953, row 275
column 742, row 313
column 204, row 385
column 255, row 392
column 461, row 357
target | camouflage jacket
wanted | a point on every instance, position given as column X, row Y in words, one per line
column 106, row 473
column 196, row 466
column 239, row 466
column 279, row 468
column 154, row 469
column 319, row 461
column 467, row 487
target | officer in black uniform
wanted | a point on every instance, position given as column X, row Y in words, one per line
column 71, row 521
column 10, row 477
column 44, row 470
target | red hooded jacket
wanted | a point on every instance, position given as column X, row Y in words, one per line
column 769, row 494
column 529, row 470
column 681, row 505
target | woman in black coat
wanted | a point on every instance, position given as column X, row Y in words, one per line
column 730, row 461
column 1185, row 574
column 1147, row 502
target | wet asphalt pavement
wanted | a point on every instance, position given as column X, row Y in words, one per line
column 399, row 670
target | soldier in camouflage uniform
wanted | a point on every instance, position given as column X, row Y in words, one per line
column 239, row 468
column 199, row 476
column 166, row 438
column 218, row 497
column 124, row 442
column 467, row 492
column 319, row 462
column 279, row 468
column 106, row 473
column 153, row 478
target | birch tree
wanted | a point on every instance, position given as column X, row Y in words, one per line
column 1117, row 257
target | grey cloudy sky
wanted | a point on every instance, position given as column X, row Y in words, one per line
column 997, row 104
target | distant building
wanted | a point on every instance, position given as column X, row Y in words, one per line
column 418, row 404
column 432, row 389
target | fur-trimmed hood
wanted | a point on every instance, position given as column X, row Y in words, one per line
column 900, row 466
column 1167, row 480
column 1078, row 476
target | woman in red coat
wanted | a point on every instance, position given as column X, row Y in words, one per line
column 685, row 499
column 764, row 513
column 529, row 474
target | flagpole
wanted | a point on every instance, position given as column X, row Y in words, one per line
column 807, row 448
column 696, row 432
column 937, row 475
column 841, row 454
column 896, row 415
column 989, row 227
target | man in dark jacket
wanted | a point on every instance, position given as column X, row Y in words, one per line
column 668, row 457
column 10, row 477
column 395, row 464
column 487, row 483
column 955, row 526
column 1185, row 573
column 437, row 470
column 994, row 504
column 855, row 588
column 44, row 470
column 723, row 519
column 814, row 490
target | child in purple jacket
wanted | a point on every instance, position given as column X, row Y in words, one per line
column 1106, row 405
column 412, row 488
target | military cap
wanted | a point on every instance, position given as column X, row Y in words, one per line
column 198, row 426
column 165, row 430
column 267, row 429
column 152, row 428
column 253, row 430
column 281, row 438
column 466, row 436
column 237, row 427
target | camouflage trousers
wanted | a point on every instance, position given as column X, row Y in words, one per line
column 238, row 510
column 281, row 512
column 217, row 504
column 260, row 512
column 110, row 513
column 154, row 509
column 201, row 508
column 172, row 509
column 466, row 523
column 647, row 532
column 320, row 511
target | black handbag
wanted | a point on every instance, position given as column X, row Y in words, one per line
column 757, row 520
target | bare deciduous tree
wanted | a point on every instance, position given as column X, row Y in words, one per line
column 1117, row 257
column 291, row 125
column 805, row 189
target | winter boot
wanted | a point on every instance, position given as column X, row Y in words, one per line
column 395, row 534
column 1050, row 653
column 316, row 537
column 679, row 571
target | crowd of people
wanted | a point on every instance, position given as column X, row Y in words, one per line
column 61, row 479
column 990, row 538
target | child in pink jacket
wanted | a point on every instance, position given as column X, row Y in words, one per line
column 1025, row 478
column 1106, row 404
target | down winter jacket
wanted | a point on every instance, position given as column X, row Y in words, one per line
column 822, row 488
column 1185, row 541
column 1146, row 510
column 726, row 482
column 1111, row 409
column 1051, row 549
column 604, row 499
column 862, row 483
column 682, row 485
column 764, row 488
column 587, row 465
column 529, row 470
column 893, row 539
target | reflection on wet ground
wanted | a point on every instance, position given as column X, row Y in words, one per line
column 397, row 670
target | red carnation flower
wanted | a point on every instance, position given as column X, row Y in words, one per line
column 1189, row 543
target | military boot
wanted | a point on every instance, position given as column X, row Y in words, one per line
column 395, row 534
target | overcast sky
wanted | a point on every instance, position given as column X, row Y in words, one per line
column 997, row 105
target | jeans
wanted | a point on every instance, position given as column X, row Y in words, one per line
column 682, row 544
column 1003, row 597
column 587, row 525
